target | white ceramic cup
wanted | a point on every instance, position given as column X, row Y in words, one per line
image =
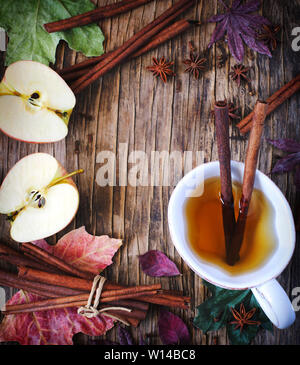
column 269, row 294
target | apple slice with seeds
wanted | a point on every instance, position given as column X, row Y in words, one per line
column 39, row 197
column 35, row 103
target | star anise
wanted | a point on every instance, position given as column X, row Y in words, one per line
column 239, row 72
column 268, row 34
column 161, row 68
column 195, row 65
column 243, row 318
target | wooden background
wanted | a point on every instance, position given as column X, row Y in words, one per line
column 129, row 106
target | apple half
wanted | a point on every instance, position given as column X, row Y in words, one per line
column 35, row 103
column 39, row 198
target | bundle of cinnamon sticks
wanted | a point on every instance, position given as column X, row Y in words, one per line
column 62, row 285
column 152, row 35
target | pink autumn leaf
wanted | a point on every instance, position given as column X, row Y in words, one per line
column 156, row 263
column 172, row 330
column 57, row 327
column 83, row 250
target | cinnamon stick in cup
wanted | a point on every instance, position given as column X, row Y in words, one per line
column 260, row 112
column 222, row 134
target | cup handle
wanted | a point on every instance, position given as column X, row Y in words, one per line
column 275, row 303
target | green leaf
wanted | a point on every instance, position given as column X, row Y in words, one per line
column 28, row 40
column 244, row 337
column 215, row 313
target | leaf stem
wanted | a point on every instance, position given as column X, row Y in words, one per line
column 61, row 178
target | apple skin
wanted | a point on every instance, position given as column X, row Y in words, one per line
column 61, row 171
column 5, row 90
column 26, row 141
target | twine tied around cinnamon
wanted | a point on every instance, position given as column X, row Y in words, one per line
column 91, row 311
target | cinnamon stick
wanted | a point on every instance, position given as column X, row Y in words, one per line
column 24, row 261
column 56, row 301
column 133, row 314
column 69, row 302
column 130, row 303
column 222, row 134
column 78, row 284
column 130, row 290
column 85, row 286
column 48, row 258
column 75, row 283
column 259, row 116
column 54, row 279
column 94, row 15
column 80, row 300
column 274, row 101
column 168, row 298
column 174, row 297
column 132, row 318
column 54, row 285
column 171, row 31
column 132, row 45
column 31, row 289
column 73, row 72
column 43, row 289
column 82, row 66
column 161, row 300
column 15, row 257
column 132, row 321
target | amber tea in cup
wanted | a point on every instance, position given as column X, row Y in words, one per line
column 204, row 228
column 196, row 229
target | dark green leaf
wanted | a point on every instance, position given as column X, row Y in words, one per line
column 206, row 321
column 215, row 313
column 244, row 337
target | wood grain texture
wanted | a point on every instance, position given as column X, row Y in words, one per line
column 128, row 110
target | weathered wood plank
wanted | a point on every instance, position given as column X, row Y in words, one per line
column 128, row 110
